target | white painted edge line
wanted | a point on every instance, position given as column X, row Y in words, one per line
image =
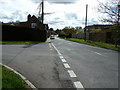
column 78, row 84
column 71, row 73
column 63, row 60
column 24, row 78
column 66, row 65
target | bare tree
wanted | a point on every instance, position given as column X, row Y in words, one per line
column 110, row 9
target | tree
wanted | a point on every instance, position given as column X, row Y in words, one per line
column 51, row 29
column 110, row 8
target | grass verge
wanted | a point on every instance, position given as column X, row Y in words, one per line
column 12, row 80
column 99, row 44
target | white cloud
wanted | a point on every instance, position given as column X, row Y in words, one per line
column 65, row 14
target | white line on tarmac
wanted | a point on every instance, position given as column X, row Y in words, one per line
column 63, row 60
column 61, row 57
column 97, row 53
column 66, row 65
column 78, row 84
column 71, row 73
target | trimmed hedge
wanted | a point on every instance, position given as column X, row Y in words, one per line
column 17, row 33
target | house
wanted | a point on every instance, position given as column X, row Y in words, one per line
column 34, row 22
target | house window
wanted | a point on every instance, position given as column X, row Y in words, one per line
column 33, row 25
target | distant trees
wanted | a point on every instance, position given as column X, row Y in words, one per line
column 67, row 31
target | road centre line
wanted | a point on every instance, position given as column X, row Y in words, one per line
column 63, row 60
column 61, row 57
column 66, row 65
column 56, row 49
column 71, row 73
column 78, row 84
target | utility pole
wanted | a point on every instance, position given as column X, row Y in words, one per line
column 42, row 11
column 118, row 31
column 85, row 22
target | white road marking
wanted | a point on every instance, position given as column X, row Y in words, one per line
column 71, row 73
column 56, row 49
column 66, row 65
column 78, row 84
column 97, row 53
column 61, row 57
column 63, row 60
column 60, row 54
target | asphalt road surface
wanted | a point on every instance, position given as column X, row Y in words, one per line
column 39, row 63
column 95, row 67
column 63, row 64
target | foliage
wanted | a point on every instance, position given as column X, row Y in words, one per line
column 69, row 30
column 96, row 30
column 110, row 8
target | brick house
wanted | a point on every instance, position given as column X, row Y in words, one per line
column 34, row 22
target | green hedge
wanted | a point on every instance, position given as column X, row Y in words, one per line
column 17, row 33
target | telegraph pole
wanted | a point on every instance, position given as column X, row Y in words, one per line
column 85, row 22
column 42, row 11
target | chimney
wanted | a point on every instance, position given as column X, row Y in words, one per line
column 29, row 16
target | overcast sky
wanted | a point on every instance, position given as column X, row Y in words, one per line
column 63, row 12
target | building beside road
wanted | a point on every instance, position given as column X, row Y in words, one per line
column 34, row 22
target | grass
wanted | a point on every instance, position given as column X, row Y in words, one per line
column 100, row 44
column 11, row 80
column 17, row 42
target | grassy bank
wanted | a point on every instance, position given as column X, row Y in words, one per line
column 12, row 80
column 99, row 44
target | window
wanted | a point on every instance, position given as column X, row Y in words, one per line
column 33, row 25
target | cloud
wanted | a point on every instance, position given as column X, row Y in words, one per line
column 63, row 12
column 56, row 1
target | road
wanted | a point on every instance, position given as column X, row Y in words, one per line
column 39, row 63
column 95, row 67
column 92, row 67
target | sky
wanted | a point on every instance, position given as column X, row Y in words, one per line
column 63, row 12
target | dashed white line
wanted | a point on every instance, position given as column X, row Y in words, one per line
column 61, row 57
column 63, row 60
column 66, row 65
column 71, row 73
column 78, row 84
